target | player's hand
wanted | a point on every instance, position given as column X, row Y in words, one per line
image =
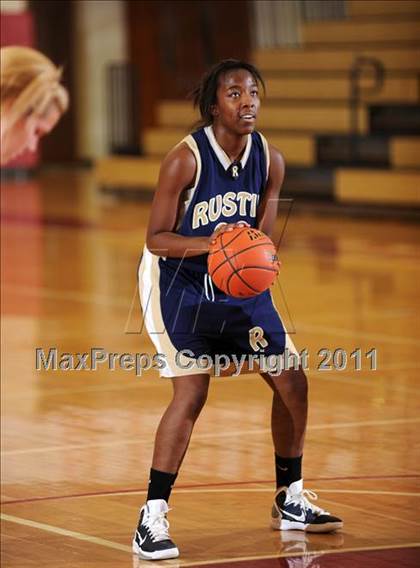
column 225, row 228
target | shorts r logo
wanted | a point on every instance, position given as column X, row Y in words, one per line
column 257, row 339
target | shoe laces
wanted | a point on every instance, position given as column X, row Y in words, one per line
column 158, row 526
column 301, row 499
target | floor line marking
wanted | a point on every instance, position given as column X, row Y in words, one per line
column 299, row 554
column 65, row 532
column 368, row 492
column 206, row 489
column 269, row 490
column 212, row 435
column 407, row 521
column 125, row 548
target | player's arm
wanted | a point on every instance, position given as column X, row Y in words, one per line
column 177, row 172
column 267, row 209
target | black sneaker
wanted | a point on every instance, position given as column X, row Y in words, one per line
column 151, row 540
column 292, row 511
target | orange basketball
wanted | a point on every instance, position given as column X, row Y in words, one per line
column 243, row 262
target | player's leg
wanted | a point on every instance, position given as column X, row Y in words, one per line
column 151, row 540
column 175, row 428
column 291, row 508
column 288, row 413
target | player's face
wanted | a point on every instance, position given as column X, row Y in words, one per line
column 25, row 133
column 237, row 101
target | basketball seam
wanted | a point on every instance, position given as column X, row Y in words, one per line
column 231, row 241
column 226, row 256
column 243, row 282
column 258, row 267
column 236, row 253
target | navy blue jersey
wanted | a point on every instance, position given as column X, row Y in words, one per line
column 223, row 192
column 184, row 313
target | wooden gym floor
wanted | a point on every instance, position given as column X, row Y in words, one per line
column 77, row 445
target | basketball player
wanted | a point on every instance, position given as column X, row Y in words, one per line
column 208, row 184
column 32, row 100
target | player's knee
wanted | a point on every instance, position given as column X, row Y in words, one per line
column 295, row 383
column 194, row 403
column 192, row 399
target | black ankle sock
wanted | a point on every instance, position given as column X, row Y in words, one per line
column 288, row 470
column 160, row 484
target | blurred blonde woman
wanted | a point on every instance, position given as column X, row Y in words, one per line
column 32, row 99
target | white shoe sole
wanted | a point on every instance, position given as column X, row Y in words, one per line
column 284, row 525
column 158, row 555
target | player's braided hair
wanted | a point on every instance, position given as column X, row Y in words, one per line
column 204, row 95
